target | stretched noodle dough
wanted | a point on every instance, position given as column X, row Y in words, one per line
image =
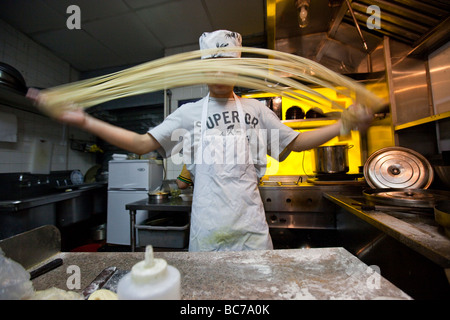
column 103, row 294
column 278, row 72
column 56, row 294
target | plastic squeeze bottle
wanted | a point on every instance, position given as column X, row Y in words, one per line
column 151, row 279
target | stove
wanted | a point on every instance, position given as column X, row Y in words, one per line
column 339, row 176
column 297, row 213
column 292, row 202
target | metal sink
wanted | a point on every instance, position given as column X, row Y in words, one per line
column 61, row 209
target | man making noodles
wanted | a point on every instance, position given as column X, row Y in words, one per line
column 217, row 137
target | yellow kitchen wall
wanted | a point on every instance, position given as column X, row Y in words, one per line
column 302, row 163
column 326, row 106
column 380, row 135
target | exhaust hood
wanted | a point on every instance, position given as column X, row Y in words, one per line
column 338, row 37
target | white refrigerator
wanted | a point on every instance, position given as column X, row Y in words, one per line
column 128, row 181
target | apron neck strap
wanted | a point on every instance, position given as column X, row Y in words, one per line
column 203, row 127
column 240, row 111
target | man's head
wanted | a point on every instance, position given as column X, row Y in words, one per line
column 220, row 39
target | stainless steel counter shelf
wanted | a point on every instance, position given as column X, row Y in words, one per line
column 172, row 204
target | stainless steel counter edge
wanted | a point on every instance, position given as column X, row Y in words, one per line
column 17, row 205
column 435, row 247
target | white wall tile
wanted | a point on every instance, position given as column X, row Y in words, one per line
column 15, row 157
column 42, row 69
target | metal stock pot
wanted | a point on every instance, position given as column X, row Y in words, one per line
column 331, row 159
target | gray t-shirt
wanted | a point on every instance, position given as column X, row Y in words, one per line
column 180, row 131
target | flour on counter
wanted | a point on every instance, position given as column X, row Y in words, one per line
column 292, row 291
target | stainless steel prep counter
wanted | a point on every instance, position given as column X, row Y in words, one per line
column 301, row 274
column 410, row 248
column 64, row 194
column 61, row 208
column 172, row 204
column 418, row 232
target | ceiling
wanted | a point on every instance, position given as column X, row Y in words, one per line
column 117, row 33
column 123, row 32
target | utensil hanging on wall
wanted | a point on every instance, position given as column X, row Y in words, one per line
column 314, row 113
column 11, row 78
column 295, row 112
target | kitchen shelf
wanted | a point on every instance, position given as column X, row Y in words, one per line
column 308, row 123
column 418, row 122
column 85, row 146
column 17, row 100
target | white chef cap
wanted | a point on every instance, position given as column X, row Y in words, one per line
column 219, row 39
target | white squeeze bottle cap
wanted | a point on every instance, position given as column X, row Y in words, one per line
column 150, row 279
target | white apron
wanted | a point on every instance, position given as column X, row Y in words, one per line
column 227, row 211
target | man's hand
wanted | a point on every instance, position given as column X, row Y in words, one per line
column 75, row 118
column 72, row 116
column 356, row 117
column 34, row 95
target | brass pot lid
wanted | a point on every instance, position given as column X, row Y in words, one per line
column 398, row 168
column 414, row 198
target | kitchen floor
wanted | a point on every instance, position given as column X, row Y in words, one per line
column 284, row 238
column 77, row 235
column 123, row 248
column 281, row 238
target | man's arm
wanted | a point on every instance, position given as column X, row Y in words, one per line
column 354, row 117
column 311, row 139
column 122, row 138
